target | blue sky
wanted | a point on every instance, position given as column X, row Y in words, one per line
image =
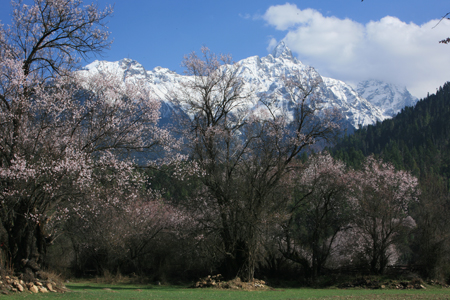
column 344, row 39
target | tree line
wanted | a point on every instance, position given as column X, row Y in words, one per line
column 238, row 191
column 416, row 140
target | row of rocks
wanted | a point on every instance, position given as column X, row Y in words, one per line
column 216, row 281
column 10, row 284
column 375, row 284
column 438, row 283
column 209, row 281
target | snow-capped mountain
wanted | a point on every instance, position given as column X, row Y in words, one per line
column 264, row 76
column 389, row 98
column 265, row 73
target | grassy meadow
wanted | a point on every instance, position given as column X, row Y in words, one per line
column 88, row 290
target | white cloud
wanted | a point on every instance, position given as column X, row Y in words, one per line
column 388, row 49
column 272, row 44
column 245, row 16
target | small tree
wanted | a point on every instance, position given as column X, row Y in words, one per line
column 381, row 199
column 242, row 154
column 120, row 231
column 317, row 213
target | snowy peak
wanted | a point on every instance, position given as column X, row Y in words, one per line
column 281, row 50
column 125, row 67
column 389, row 98
column 132, row 68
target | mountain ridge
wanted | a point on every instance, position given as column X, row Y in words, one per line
column 264, row 74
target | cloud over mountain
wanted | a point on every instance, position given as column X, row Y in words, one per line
column 406, row 54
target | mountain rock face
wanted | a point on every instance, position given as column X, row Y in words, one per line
column 388, row 97
column 263, row 75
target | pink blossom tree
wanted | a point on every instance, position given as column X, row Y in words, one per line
column 381, row 199
column 59, row 130
column 317, row 212
column 242, row 154
column 120, row 230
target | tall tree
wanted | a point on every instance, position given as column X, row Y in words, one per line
column 243, row 154
column 61, row 133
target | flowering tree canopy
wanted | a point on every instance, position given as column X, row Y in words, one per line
column 60, row 130
column 318, row 211
column 381, row 200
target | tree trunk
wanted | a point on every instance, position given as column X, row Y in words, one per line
column 26, row 245
column 247, row 263
column 239, row 262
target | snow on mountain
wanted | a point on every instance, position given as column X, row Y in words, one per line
column 161, row 80
column 357, row 110
column 389, row 98
column 263, row 75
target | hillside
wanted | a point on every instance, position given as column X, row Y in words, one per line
column 416, row 139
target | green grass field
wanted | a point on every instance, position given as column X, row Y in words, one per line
column 106, row 291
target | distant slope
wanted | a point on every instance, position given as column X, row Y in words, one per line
column 417, row 139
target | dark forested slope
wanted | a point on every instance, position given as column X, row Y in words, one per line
column 417, row 139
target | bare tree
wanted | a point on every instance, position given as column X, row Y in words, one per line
column 445, row 17
column 50, row 37
column 242, row 152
